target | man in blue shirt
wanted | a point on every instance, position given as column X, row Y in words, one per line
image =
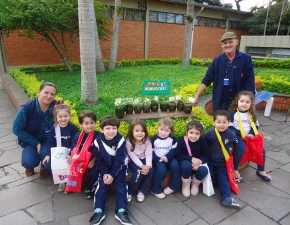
column 231, row 72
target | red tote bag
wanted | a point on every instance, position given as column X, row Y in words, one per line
column 79, row 163
column 254, row 146
column 255, row 149
column 229, row 165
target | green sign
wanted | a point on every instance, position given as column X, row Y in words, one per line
column 156, row 87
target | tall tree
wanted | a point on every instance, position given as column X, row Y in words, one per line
column 87, row 25
column 238, row 4
column 115, row 39
column 55, row 20
column 188, row 32
column 256, row 23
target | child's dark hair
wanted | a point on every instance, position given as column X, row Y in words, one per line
column 166, row 121
column 109, row 121
column 87, row 113
column 221, row 112
column 234, row 104
column 194, row 124
column 58, row 107
column 130, row 136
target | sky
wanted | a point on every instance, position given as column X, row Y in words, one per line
column 247, row 4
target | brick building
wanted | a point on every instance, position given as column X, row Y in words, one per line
column 149, row 29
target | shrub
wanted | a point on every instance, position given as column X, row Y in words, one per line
column 195, row 62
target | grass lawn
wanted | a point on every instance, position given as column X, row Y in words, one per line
column 127, row 82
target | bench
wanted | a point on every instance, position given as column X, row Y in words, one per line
column 264, row 96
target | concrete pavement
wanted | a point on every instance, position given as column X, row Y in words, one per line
column 30, row 201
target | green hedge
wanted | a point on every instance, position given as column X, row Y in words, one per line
column 265, row 63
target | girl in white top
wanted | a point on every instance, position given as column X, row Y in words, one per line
column 139, row 150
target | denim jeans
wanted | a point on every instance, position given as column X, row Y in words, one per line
column 31, row 158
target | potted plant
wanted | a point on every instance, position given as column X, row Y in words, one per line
column 187, row 106
column 163, row 104
column 119, row 108
column 138, row 105
column 154, row 104
column 172, row 104
column 146, row 105
column 129, row 105
column 180, row 104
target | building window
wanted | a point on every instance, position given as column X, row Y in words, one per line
column 152, row 16
column 274, row 53
column 128, row 14
column 179, row 18
column 162, row 17
column 170, row 18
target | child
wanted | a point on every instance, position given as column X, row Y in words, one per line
column 216, row 164
column 87, row 120
column 111, row 161
column 244, row 101
column 191, row 164
column 61, row 113
column 139, row 149
column 164, row 144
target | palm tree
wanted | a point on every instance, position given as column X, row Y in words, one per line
column 87, row 25
column 188, row 32
column 115, row 39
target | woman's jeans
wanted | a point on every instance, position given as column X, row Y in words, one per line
column 31, row 158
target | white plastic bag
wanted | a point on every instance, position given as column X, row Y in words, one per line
column 207, row 183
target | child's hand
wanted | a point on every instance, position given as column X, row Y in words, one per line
column 68, row 159
column 46, row 159
column 91, row 163
column 196, row 162
column 249, row 135
column 145, row 169
column 108, row 179
column 163, row 159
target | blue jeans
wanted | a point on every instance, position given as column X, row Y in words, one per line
column 186, row 170
column 31, row 158
column 138, row 180
column 160, row 174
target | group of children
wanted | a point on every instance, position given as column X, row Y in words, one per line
column 149, row 158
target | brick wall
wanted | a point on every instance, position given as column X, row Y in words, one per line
column 165, row 41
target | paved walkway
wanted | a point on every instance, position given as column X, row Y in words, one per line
column 30, row 201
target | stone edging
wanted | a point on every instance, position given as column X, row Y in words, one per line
column 14, row 92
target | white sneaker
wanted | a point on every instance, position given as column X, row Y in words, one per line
column 61, row 187
column 140, row 197
column 129, row 198
column 160, row 196
column 168, row 191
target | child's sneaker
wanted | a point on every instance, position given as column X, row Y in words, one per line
column 160, row 196
column 61, row 187
column 230, row 203
column 97, row 218
column 88, row 194
column 168, row 191
column 123, row 217
column 129, row 198
column 140, row 197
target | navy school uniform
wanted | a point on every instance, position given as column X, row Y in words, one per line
column 164, row 147
column 199, row 150
column 93, row 173
column 111, row 159
column 216, row 164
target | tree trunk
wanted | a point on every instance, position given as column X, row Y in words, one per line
column 115, row 38
column 87, row 51
column 188, row 32
column 99, row 59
